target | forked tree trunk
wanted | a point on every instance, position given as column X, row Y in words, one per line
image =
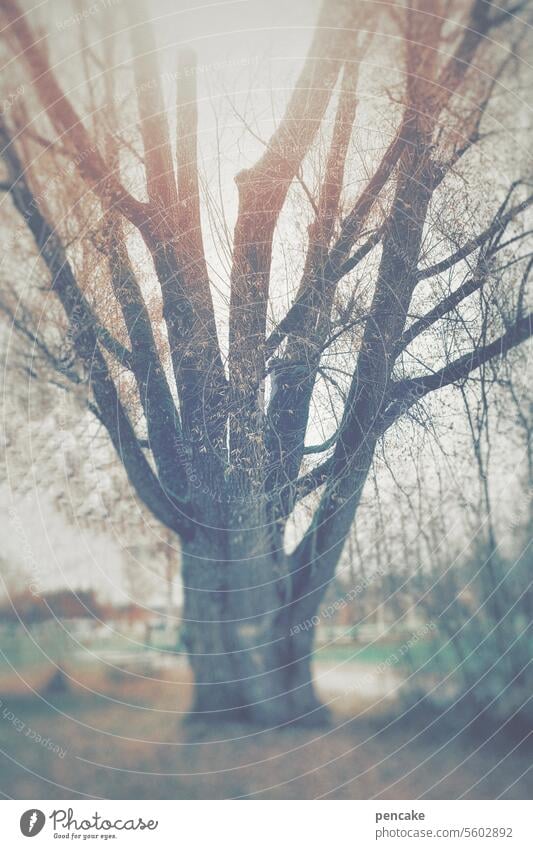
column 250, row 659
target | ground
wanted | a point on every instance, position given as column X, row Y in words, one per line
column 134, row 742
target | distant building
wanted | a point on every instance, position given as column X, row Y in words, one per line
column 31, row 609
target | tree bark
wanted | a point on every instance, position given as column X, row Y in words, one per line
column 250, row 660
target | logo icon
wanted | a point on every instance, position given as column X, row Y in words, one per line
column 32, row 822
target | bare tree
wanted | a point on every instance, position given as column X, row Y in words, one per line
column 216, row 451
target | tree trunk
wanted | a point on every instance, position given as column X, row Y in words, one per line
column 250, row 660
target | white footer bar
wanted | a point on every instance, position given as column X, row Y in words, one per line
column 267, row 824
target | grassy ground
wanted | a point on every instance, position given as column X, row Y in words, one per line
column 373, row 654
column 117, row 735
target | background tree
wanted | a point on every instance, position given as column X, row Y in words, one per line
column 386, row 310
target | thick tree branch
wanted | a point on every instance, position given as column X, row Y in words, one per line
column 160, row 179
column 67, row 123
column 444, row 307
column 405, row 393
column 39, row 345
column 187, row 156
column 161, row 497
column 262, row 192
column 499, row 223
column 310, row 481
column 473, row 284
column 321, row 230
column 164, row 431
